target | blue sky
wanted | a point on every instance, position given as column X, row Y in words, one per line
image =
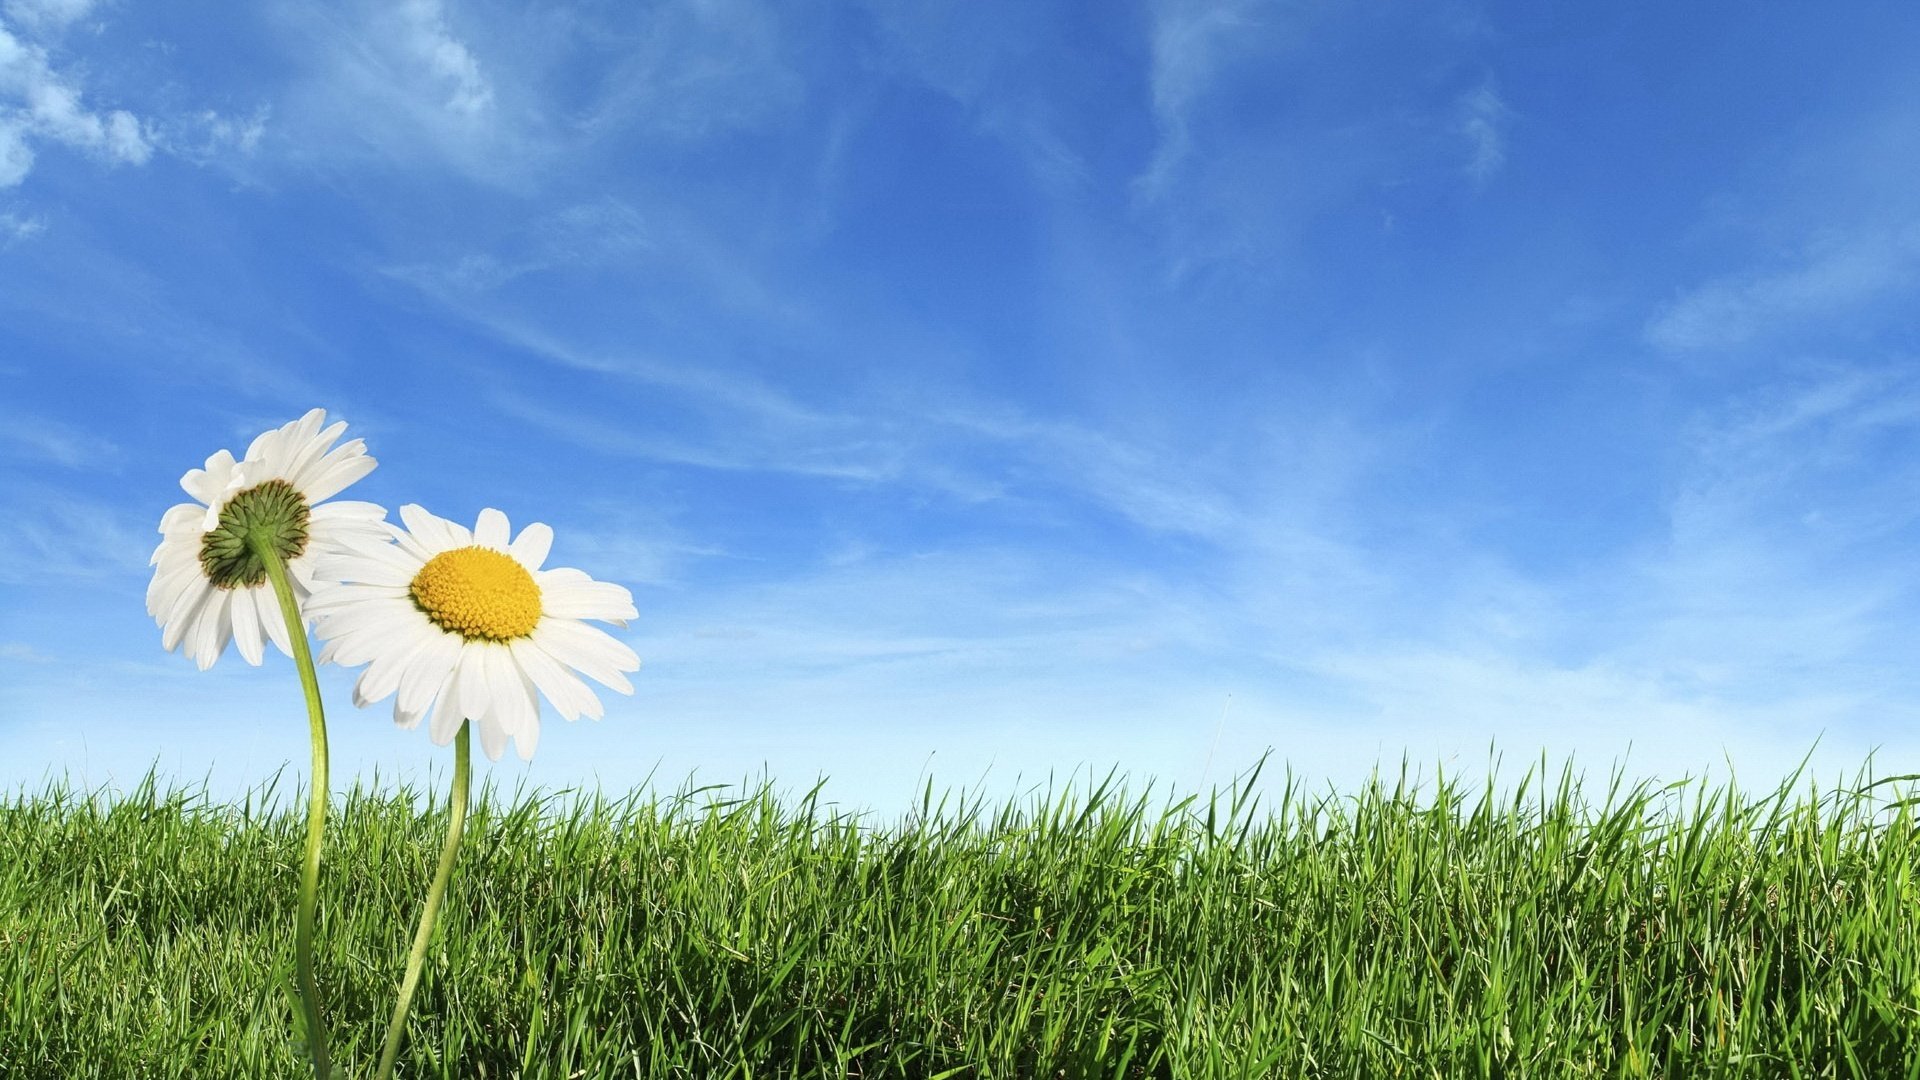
column 995, row 388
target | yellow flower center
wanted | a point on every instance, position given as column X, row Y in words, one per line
column 478, row 593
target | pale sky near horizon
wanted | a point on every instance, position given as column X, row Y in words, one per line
column 1000, row 387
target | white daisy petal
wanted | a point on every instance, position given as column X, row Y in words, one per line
column 527, row 739
column 492, row 529
column 267, row 606
column 532, row 545
column 373, row 634
column 167, row 584
column 404, row 720
column 447, row 711
column 246, row 630
column 382, row 676
column 493, row 738
column 410, row 544
column 428, row 672
column 471, row 676
column 591, row 652
column 562, row 687
column 436, row 533
column 312, row 457
column 337, row 475
column 349, row 522
column 390, row 567
column 208, row 484
column 214, row 628
column 183, row 611
column 332, row 595
column 184, row 518
column 503, row 687
column 570, row 594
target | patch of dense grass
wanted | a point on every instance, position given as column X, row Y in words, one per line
column 1663, row 932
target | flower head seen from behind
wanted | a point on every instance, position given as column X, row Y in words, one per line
column 467, row 626
column 208, row 587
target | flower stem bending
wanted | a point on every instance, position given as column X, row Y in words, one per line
column 456, row 822
column 263, row 544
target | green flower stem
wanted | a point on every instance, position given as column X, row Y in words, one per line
column 456, row 822
column 263, row 544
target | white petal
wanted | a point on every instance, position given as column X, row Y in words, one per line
column 532, row 545
column 167, row 584
column 471, row 679
column 183, row 518
column 404, row 720
column 301, row 571
column 390, row 566
column 513, row 702
column 367, row 643
column 382, row 676
column 527, row 739
column 345, row 509
column 570, row 594
column 328, row 596
column 493, row 738
column 413, row 546
column 265, row 447
column 447, row 711
column 338, row 474
column 461, row 536
column 436, row 534
column 184, row 609
column 247, row 637
column 306, row 457
column 267, row 606
column 424, row 677
column 306, row 450
column 562, row 687
column 591, row 652
column 492, row 529
column 211, row 633
column 213, row 484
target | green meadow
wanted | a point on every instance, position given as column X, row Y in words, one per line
column 1547, row 927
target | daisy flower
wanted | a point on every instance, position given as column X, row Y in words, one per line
column 467, row 626
column 208, row 587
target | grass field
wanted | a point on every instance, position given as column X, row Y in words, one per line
column 1544, row 932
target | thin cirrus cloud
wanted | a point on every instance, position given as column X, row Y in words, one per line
column 1834, row 276
column 1483, row 121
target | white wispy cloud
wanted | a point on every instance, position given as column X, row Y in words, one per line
column 1784, row 560
column 1483, row 120
column 993, row 59
column 21, row 652
column 1270, row 117
column 47, row 14
column 1190, row 41
column 38, row 440
column 689, row 71
column 446, row 57
column 207, row 136
column 37, row 102
column 16, row 227
column 53, row 536
column 416, row 84
column 1834, row 274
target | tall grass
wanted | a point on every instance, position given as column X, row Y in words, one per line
column 1674, row 931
